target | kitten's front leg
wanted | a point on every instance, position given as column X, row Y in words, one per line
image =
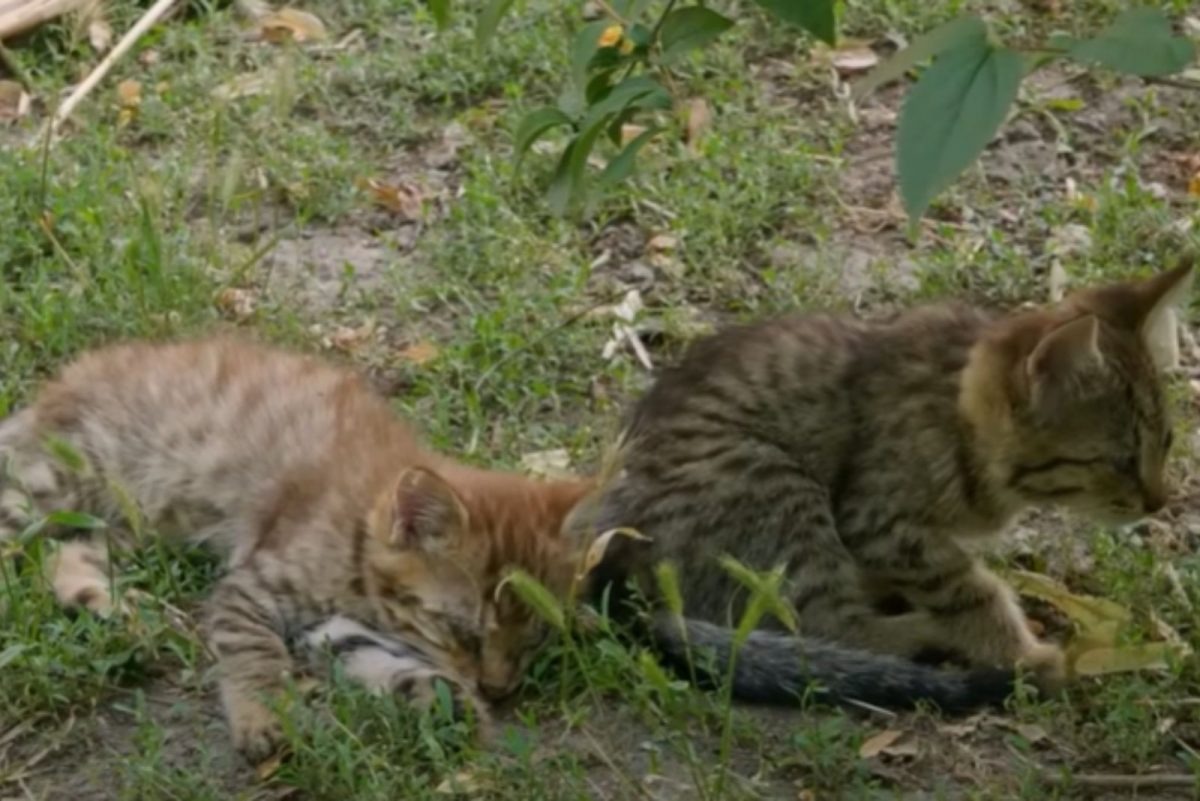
column 984, row 621
column 253, row 660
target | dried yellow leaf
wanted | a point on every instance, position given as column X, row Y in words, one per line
column 129, row 94
column 290, row 24
column 420, row 353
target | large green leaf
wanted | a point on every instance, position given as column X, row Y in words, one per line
column 815, row 16
column 533, row 125
column 489, row 19
column 950, row 115
column 929, row 44
column 570, row 176
column 690, row 28
column 1138, row 42
column 621, row 166
column 585, row 45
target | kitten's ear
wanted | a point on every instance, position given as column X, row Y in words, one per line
column 1062, row 357
column 1162, row 296
column 426, row 511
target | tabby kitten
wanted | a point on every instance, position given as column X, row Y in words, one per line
column 329, row 512
column 870, row 460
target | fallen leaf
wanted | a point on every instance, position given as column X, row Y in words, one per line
column 547, row 463
column 100, row 34
column 1094, row 651
column 240, row 304
column 853, row 60
column 291, row 24
column 1032, row 732
column 248, row 85
column 269, row 767
column 662, row 243
column 876, row 743
column 1193, row 187
column 347, row 339
column 631, row 132
column 405, row 201
column 1126, row 659
column 148, row 58
column 697, row 118
column 420, row 353
column 129, row 94
column 967, row 726
column 14, row 103
column 1057, row 281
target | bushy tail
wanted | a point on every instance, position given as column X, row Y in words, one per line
column 782, row 668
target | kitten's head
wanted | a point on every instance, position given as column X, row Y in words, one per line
column 450, row 543
column 1086, row 422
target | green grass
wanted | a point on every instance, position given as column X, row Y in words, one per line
column 134, row 230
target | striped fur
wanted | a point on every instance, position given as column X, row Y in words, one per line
column 870, row 460
column 323, row 503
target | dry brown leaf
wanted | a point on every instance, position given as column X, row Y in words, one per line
column 129, row 93
column 100, row 35
column 630, row 132
column 1032, row 732
column 248, row 85
column 698, row 117
column 1125, row 659
column 239, row 304
column 420, row 353
column 269, row 767
column 1193, row 187
column 877, row 743
column 547, row 464
column 14, row 102
column 291, row 24
column 662, row 243
column 148, row 58
column 404, row 200
column 347, row 339
column 854, row 60
column 464, row 782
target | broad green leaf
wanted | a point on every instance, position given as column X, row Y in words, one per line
column 570, row 174
column 1127, row 659
column 636, row 92
column 587, row 42
column 621, row 166
column 441, row 12
column 489, row 20
column 926, row 46
column 533, row 125
column 815, row 16
column 951, row 114
column 689, row 28
column 536, row 596
column 1138, row 42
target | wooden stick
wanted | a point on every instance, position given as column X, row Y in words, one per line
column 152, row 15
column 18, row 16
column 1124, row 781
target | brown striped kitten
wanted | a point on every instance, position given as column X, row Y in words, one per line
column 337, row 525
column 870, row 460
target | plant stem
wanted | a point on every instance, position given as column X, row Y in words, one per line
column 10, row 63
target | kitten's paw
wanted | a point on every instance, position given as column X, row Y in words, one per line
column 256, row 731
column 1048, row 665
column 422, row 691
